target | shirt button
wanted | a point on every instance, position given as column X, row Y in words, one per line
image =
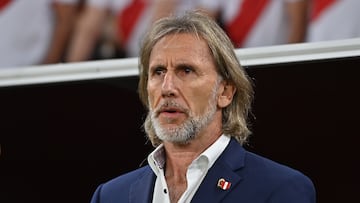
column 165, row 191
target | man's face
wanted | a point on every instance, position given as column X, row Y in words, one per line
column 182, row 87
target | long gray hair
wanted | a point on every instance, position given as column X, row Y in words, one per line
column 228, row 67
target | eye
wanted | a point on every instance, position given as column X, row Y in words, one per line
column 188, row 70
column 158, row 71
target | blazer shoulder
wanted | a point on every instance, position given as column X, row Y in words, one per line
column 118, row 189
column 129, row 177
column 273, row 168
column 277, row 175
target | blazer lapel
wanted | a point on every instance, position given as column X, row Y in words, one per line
column 225, row 167
column 142, row 190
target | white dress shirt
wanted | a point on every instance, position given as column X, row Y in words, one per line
column 195, row 174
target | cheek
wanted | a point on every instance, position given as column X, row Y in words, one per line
column 153, row 93
column 201, row 100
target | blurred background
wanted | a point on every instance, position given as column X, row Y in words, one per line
column 60, row 31
column 59, row 140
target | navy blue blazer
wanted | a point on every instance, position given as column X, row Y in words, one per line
column 254, row 179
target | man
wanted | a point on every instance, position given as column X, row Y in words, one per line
column 198, row 97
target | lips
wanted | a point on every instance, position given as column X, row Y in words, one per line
column 170, row 110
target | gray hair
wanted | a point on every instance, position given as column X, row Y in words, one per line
column 227, row 65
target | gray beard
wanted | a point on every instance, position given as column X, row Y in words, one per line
column 187, row 131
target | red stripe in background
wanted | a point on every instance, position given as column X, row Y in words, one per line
column 128, row 19
column 4, row 3
column 249, row 12
column 318, row 6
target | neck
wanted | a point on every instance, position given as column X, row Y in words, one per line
column 180, row 156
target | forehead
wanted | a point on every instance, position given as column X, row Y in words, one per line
column 185, row 44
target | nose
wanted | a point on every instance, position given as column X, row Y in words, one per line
column 168, row 88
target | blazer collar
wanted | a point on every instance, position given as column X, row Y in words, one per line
column 141, row 191
column 225, row 167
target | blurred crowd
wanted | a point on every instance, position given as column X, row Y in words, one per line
column 54, row 31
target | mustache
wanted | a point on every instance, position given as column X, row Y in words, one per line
column 167, row 105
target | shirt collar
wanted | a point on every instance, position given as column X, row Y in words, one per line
column 214, row 151
column 156, row 159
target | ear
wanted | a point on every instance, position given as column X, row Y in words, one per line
column 227, row 92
